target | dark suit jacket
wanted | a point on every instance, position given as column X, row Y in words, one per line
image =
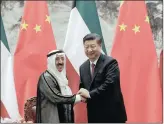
column 106, row 104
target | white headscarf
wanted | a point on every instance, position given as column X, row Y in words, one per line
column 60, row 76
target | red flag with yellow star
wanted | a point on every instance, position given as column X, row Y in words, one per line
column 36, row 39
column 135, row 52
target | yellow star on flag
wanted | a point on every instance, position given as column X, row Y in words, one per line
column 147, row 19
column 47, row 18
column 24, row 25
column 37, row 28
column 122, row 27
column 136, row 29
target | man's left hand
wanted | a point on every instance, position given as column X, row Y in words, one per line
column 84, row 93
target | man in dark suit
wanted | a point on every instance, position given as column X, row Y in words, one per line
column 100, row 84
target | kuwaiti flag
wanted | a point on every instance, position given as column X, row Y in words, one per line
column 83, row 20
column 9, row 105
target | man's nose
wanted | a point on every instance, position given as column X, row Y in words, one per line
column 89, row 49
column 60, row 61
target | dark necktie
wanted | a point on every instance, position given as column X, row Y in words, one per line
column 93, row 67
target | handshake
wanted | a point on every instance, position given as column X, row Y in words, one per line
column 84, row 94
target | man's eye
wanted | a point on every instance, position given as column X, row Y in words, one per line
column 93, row 46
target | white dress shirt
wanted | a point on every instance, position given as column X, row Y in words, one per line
column 95, row 62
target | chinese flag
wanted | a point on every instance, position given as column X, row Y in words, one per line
column 36, row 39
column 135, row 52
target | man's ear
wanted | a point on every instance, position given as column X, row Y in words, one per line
column 100, row 45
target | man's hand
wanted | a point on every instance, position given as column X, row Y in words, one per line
column 79, row 98
column 83, row 99
column 84, row 93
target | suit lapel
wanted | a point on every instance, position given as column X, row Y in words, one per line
column 97, row 67
column 88, row 73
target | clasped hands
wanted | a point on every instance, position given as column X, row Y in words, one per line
column 84, row 94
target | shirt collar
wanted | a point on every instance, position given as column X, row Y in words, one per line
column 94, row 61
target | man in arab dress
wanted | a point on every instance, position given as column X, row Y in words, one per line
column 54, row 97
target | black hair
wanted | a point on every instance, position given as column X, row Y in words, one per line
column 93, row 36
